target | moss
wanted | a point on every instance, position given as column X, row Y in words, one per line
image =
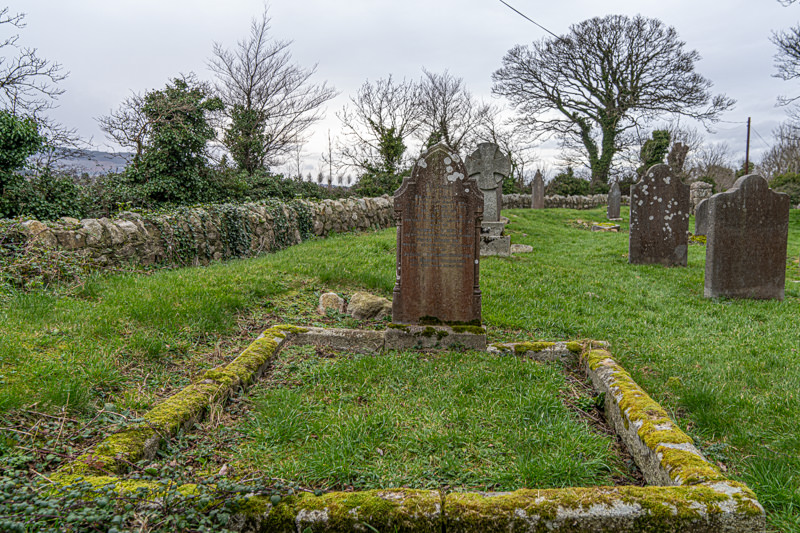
column 287, row 328
column 575, row 347
column 401, row 327
column 639, row 408
column 434, row 321
column 383, row 510
column 475, row 330
column 524, row 347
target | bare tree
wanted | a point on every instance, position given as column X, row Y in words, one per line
column 128, row 125
column 377, row 124
column 715, row 161
column 602, row 79
column 28, row 83
column 512, row 141
column 449, row 112
column 270, row 101
column 784, row 155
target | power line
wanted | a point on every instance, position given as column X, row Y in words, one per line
column 526, row 17
column 766, row 145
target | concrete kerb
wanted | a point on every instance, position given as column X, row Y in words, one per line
column 686, row 492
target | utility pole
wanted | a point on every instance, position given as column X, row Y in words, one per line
column 747, row 150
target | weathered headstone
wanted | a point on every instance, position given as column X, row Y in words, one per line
column 614, row 200
column 699, row 191
column 489, row 165
column 748, row 226
column 537, row 191
column 438, row 210
column 701, row 218
column 659, row 219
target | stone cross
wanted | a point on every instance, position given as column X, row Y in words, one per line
column 659, row 229
column 748, row 226
column 537, row 191
column 489, row 165
column 438, row 210
column 614, row 200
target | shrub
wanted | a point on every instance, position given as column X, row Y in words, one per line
column 789, row 183
column 567, row 184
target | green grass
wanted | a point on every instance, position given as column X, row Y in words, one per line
column 729, row 370
column 467, row 420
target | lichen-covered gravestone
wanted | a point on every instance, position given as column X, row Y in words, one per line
column 701, row 218
column 537, row 191
column 748, row 226
column 488, row 165
column 614, row 200
column 659, row 219
column 438, row 210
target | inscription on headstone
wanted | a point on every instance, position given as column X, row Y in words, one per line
column 748, row 226
column 659, row 219
column 614, row 200
column 438, row 210
column 537, row 191
column 489, row 165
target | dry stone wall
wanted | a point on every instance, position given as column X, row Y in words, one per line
column 523, row 201
column 199, row 235
column 203, row 234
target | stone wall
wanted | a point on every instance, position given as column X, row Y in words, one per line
column 199, row 235
column 523, row 201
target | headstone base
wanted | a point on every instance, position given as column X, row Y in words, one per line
column 495, row 245
column 493, row 229
column 615, row 219
column 606, row 226
column 401, row 337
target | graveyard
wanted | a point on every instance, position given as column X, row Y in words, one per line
column 604, row 381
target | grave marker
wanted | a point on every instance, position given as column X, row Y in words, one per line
column 614, row 200
column 748, row 226
column 537, row 191
column 489, row 165
column 659, row 219
column 438, row 211
column 701, row 218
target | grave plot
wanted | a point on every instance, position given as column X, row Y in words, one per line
column 689, row 494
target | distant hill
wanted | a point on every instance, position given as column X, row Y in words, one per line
column 94, row 162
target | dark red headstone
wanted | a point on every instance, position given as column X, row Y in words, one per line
column 659, row 229
column 438, row 210
column 747, row 229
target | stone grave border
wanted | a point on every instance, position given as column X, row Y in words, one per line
column 685, row 492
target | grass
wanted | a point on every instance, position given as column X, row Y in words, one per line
column 467, row 420
column 729, row 370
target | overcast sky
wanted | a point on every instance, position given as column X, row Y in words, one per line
column 114, row 47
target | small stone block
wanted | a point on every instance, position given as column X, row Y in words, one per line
column 351, row 340
column 614, row 228
column 492, row 229
column 401, row 337
column 521, row 248
column 500, row 246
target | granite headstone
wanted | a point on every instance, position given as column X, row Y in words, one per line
column 659, row 227
column 614, row 200
column 438, row 210
column 537, row 191
column 748, row 226
column 489, row 165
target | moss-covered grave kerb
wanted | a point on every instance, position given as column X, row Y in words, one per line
column 141, row 440
column 435, row 337
column 664, row 453
column 539, row 350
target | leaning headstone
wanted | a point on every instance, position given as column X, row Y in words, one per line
column 438, row 210
column 614, row 200
column 748, row 226
column 537, row 191
column 659, row 219
column 701, row 218
column 489, row 165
